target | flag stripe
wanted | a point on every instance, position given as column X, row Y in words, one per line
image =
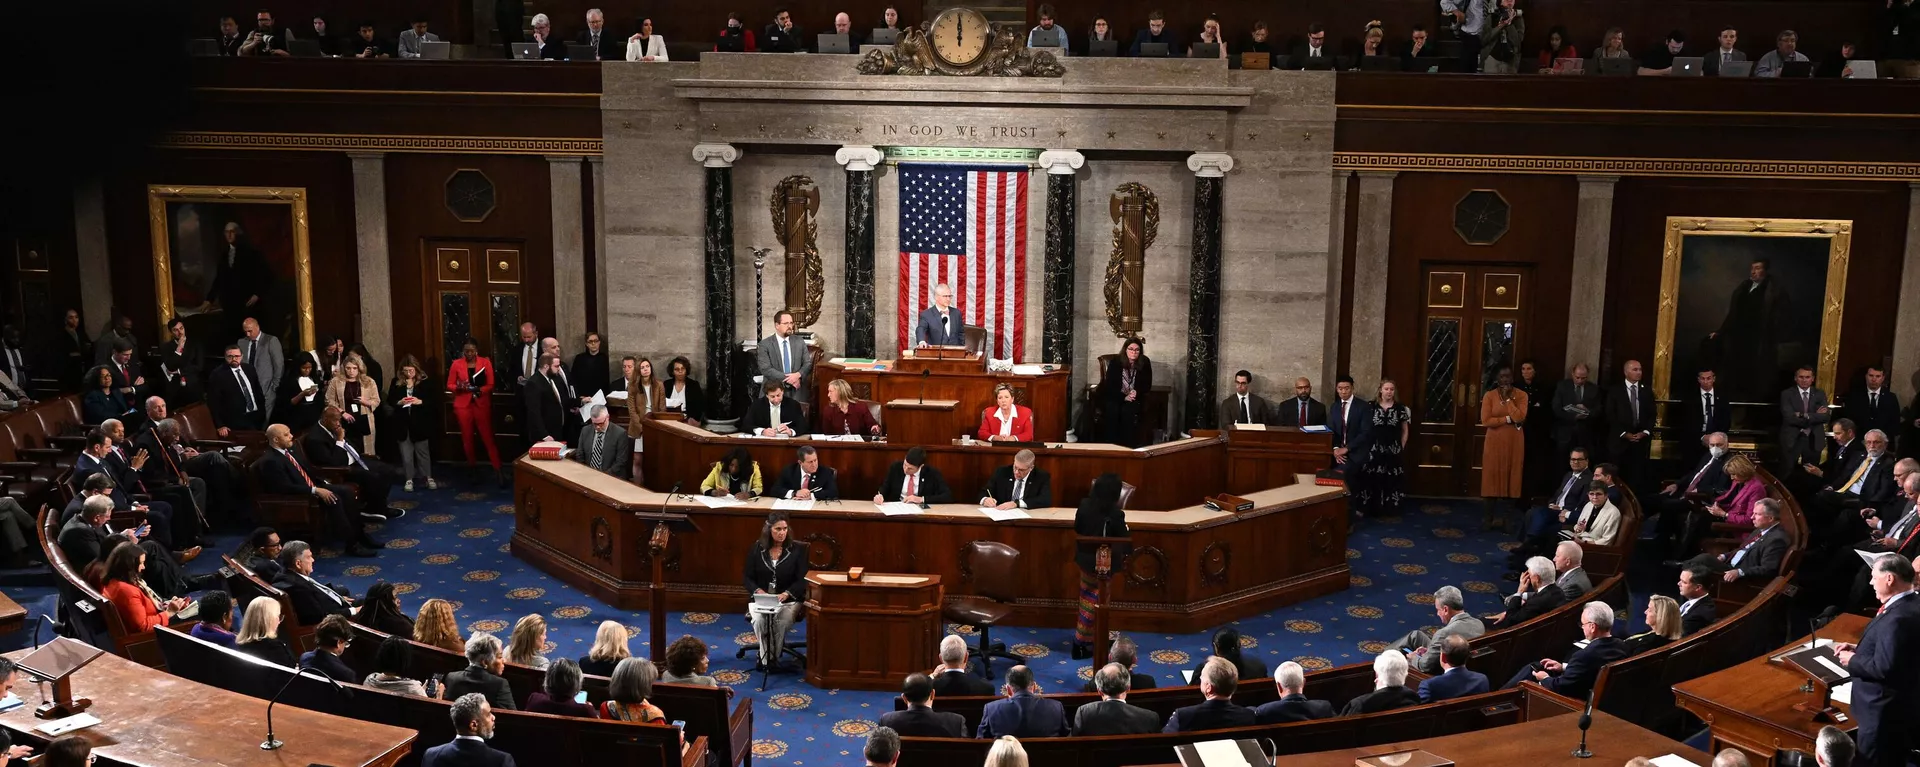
column 965, row 226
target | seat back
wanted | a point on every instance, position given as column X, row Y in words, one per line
column 1603, row 561
column 995, row 567
column 976, row 338
column 60, row 416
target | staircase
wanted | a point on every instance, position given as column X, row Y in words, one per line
column 1002, row 13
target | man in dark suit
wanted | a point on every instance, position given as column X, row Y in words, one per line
column 95, row 459
column 1701, row 413
column 805, row 479
column 1697, row 609
column 1537, row 594
column 526, row 356
column 1874, row 408
column 546, row 402
column 327, row 446
column 1574, row 678
column 1293, row 705
column 282, row 473
column 126, row 370
column 485, row 660
column 1895, row 532
column 606, row 45
column 1390, row 689
column 783, row 35
column 1707, row 479
column 1867, row 483
column 775, row 415
column 1315, row 52
column 1886, row 690
column 951, row 678
column 211, row 478
column 312, row 600
column 1243, row 406
column 1022, row 713
column 1576, row 411
column 913, row 481
column 1803, row 418
column 1630, row 412
column 146, row 465
column 1348, row 420
column 1303, row 409
column 919, row 719
column 941, row 324
column 1759, row 556
column 1124, row 652
column 1455, row 680
column 1561, row 512
column 473, row 720
column 330, row 641
column 1218, row 679
column 1113, row 715
column 1018, row 486
column 234, row 397
column 605, row 446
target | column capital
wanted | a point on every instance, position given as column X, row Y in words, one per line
column 595, row 159
column 1061, row 162
column 366, row 155
column 1599, row 178
column 856, row 156
column 1210, row 164
column 716, row 155
column 563, row 159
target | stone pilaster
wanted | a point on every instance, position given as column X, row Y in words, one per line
column 1906, row 329
column 1336, row 273
column 376, row 273
column 569, row 252
column 860, row 162
column 90, row 245
column 1587, row 304
column 1062, row 195
column 718, row 160
column 598, row 166
column 1372, row 239
column 1203, row 302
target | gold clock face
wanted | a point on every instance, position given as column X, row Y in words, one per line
column 960, row 36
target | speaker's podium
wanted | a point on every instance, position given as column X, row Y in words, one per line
column 870, row 633
column 948, row 374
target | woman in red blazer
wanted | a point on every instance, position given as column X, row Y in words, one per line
column 471, row 380
column 1006, row 421
column 140, row 609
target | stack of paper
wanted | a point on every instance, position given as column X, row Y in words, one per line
column 719, row 502
column 1220, row 753
column 1003, row 515
column 1672, row 760
column 789, row 504
column 897, row 508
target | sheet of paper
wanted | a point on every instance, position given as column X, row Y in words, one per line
column 1029, row 370
column 619, row 395
column 1836, row 668
column 11, row 702
column 789, row 504
column 69, row 724
column 897, row 508
column 1003, row 515
column 586, row 410
column 719, row 502
column 1220, row 753
column 1315, row 429
column 1842, row 692
column 1867, row 556
column 1250, row 426
column 1187, row 674
column 1672, row 760
column 306, row 383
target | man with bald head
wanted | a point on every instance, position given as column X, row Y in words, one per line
column 1630, row 425
column 223, row 496
column 283, row 473
column 1302, row 409
column 843, row 25
column 263, row 353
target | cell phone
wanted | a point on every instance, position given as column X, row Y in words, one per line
column 679, row 724
column 580, row 697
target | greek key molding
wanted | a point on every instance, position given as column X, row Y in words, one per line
column 349, row 142
column 1628, row 166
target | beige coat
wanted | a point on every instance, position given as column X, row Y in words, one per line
column 369, row 391
column 638, row 405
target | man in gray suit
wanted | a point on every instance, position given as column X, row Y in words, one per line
column 604, row 445
column 784, row 358
column 1573, row 580
column 942, row 324
column 1803, row 421
column 1113, row 715
column 1423, row 649
column 1725, row 54
column 263, row 352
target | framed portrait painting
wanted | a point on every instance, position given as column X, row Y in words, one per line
column 1751, row 299
column 224, row 254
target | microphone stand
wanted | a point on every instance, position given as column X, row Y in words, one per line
column 1586, row 721
column 272, row 743
column 925, row 373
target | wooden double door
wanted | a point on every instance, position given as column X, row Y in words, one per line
column 475, row 291
column 1474, row 320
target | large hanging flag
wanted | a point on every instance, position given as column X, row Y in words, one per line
column 966, row 226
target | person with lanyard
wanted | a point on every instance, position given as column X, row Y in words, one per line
column 1100, row 516
column 777, row 565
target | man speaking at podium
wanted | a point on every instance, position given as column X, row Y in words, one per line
column 940, row 324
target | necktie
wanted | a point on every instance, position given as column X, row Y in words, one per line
column 803, row 480
column 1020, row 492
column 1909, row 539
column 297, row 467
column 599, row 439
column 240, row 375
column 1873, row 400
column 1725, row 57
column 1806, row 402
column 352, row 454
column 250, row 345
column 1303, row 412
column 1246, row 410
column 1854, row 482
column 1697, row 475
column 331, row 594
column 1706, row 424
column 527, row 358
column 1735, row 561
column 909, row 490
column 786, row 361
column 1568, row 487
column 1633, row 401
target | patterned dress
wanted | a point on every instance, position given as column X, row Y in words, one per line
column 1381, row 483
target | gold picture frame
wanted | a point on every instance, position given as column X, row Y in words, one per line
column 160, row 196
column 1838, row 235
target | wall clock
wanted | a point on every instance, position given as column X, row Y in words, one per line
column 1481, row 217
column 959, row 37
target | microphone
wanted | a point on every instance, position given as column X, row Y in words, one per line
column 670, row 494
column 925, row 373
column 1586, row 721
column 43, row 619
column 272, row 743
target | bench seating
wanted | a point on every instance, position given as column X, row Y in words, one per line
column 94, row 621
column 1639, row 689
column 1602, row 561
column 243, row 585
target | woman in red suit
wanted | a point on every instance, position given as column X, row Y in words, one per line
column 1005, row 421
column 844, row 414
column 471, row 380
column 140, row 609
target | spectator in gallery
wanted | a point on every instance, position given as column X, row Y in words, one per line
column 1725, row 52
column 1836, row 63
column 552, row 48
column 1558, row 46
column 1314, row 47
column 1374, row 41
column 560, row 692
column 783, row 35
column 1099, row 31
column 606, row 45
column 1416, row 48
column 1785, row 49
column 230, row 42
column 609, row 648
column 1502, row 42
column 1613, row 45
column 1210, row 34
column 259, row 633
column 644, row 45
column 436, row 626
column 528, row 640
column 1260, row 40
column 367, row 45
column 1658, row 61
column 412, row 37
column 1470, row 19
column 267, row 38
column 390, row 667
column 735, row 37
column 1047, row 34
column 329, row 43
column 1156, row 32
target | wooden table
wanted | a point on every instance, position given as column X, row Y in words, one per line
column 871, row 633
column 966, row 381
column 1545, row 742
column 150, row 717
column 12, row 615
column 1192, row 568
column 1750, row 706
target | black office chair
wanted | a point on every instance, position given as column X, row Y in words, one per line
column 995, row 568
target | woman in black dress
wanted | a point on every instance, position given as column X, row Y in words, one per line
column 380, row 610
column 777, row 565
column 299, row 406
column 410, row 416
column 683, row 393
column 1099, row 515
column 1124, row 388
column 1381, row 483
column 1539, row 469
column 590, row 371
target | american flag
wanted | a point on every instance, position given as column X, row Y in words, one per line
column 966, row 225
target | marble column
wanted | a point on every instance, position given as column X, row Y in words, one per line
column 1587, row 304
column 1906, row 328
column 1203, row 302
column 569, row 252
column 370, row 230
column 1371, row 241
column 1336, row 274
column 860, row 161
column 90, row 246
column 718, row 160
column 598, row 166
column 1056, row 340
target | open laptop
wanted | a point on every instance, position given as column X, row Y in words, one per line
column 766, row 602
column 1153, row 50
column 1689, row 66
column 1616, row 66
column 1103, row 47
column 526, row 51
column 834, row 43
column 1797, row 69
column 1379, row 63
column 1569, row 66
column 1737, row 69
column 304, row 48
column 205, row 46
column 1206, row 51
column 883, row 36
column 439, row 50
column 1864, row 69
column 1317, row 63
column 579, row 52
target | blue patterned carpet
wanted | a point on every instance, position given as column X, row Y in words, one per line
column 453, row 545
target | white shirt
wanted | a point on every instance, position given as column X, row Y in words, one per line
column 1689, row 604
column 1006, row 421
column 676, row 398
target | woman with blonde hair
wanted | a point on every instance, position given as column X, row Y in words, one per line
column 1663, row 625
column 844, row 414
column 529, row 638
column 609, row 648
column 259, row 633
column 357, row 397
column 1006, row 752
column 436, row 626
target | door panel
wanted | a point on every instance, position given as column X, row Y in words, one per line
column 1474, row 319
column 474, row 291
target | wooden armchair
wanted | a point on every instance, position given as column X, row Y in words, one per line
column 290, row 514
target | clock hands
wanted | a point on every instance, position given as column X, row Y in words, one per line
column 959, row 27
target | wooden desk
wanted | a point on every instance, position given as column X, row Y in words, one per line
column 966, row 381
column 1547, row 742
column 871, row 633
column 1750, row 706
column 150, row 717
column 1192, row 567
column 12, row 615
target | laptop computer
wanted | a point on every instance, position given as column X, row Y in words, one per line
column 1150, row 50
column 833, row 43
column 1737, row 69
column 1256, row 61
column 304, row 48
column 766, row 602
column 1379, row 63
column 526, row 51
column 439, row 50
column 1103, row 47
column 1864, row 69
column 1317, row 64
column 1797, row 69
column 883, row 36
column 1689, row 66
column 579, row 52
column 1567, row 66
column 1617, row 66
column 1206, row 51
column 205, row 46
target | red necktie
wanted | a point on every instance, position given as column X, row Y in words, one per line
column 909, row 486
column 1881, row 611
column 297, row 467
column 1303, row 413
